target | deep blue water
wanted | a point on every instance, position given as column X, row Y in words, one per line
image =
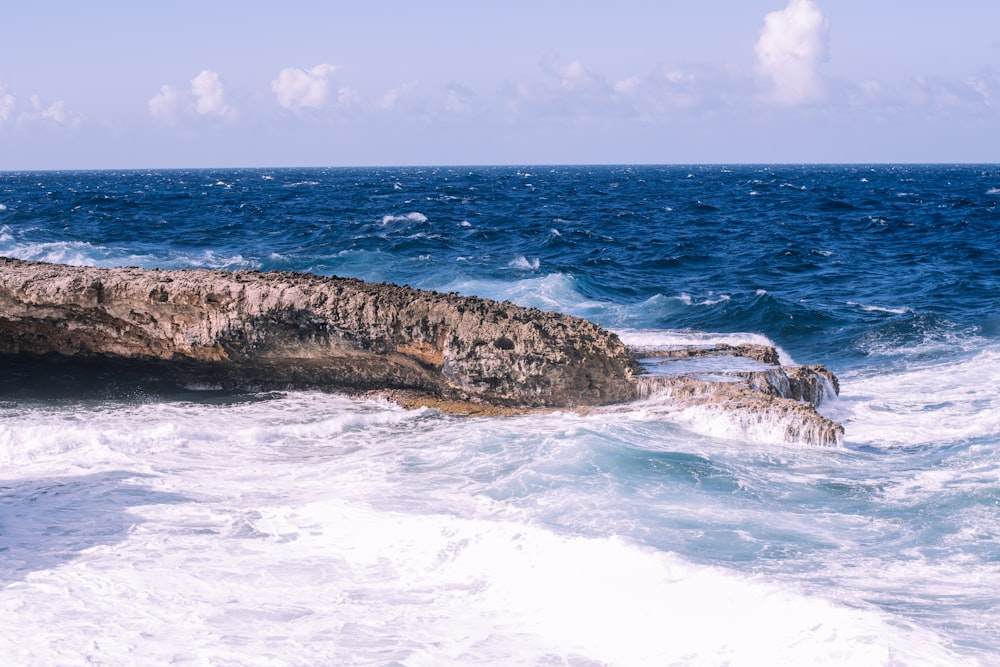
column 818, row 258
column 888, row 274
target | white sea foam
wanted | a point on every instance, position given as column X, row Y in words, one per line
column 74, row 253
column 414, row 216
column 660, row 339
column 688, row 300
column 881, row 309
column 928, row 403
column 744, row 426
column 82, row 253
column 553, row 291
column 3, row 207
column 523, row 263
column 317, row 530
column 993, row 191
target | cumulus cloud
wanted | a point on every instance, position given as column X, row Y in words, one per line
column 792, row 45
column 206, row 96
column 55, row 113
column 394, row 96
column 303, row 88
column 7, row 103
column 210, row 97
column 348, row 97
column 670, row 90
column 574, row 75
column 925, row 94
column 458, row 99
column 164, row 104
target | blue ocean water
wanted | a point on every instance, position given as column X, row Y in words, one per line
column 296, row 528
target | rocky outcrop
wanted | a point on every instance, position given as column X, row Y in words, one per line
column 757, row 398
column 461, row 354
column 286, row 329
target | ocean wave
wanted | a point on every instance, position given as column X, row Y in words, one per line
column 923, row 403
column 916, row 335
column 551, row 292
column 74, row 253
column 308, row 500
column 723, row 422
column 660, row 339
column 524, row 264
column 881, row 309
column 414, row 216
column 688, row 300
column 82, row 253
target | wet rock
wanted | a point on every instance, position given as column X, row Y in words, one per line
column 757, row 397
column 466, row 355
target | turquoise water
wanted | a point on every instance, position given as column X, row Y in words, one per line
column 140, row 523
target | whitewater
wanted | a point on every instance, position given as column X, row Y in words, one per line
column 145, row 523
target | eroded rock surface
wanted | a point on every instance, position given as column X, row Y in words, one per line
column 756, row 396
column 460, row 354
column 249, row 328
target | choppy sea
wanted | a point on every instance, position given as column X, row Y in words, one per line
column 144, row 524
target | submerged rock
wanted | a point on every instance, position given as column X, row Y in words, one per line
column 742, row 387
column 458, row 354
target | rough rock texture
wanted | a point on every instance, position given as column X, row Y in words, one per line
column 285, row 329
column 459, row 354
column 774, row 403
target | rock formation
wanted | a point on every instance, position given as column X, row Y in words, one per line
column 274, row 330
column 465, row 354
column 761, row 399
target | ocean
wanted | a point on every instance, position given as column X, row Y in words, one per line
column 150, row 524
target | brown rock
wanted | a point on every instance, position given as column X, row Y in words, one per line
column 285, row 329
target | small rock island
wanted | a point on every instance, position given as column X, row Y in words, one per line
column 291, row 330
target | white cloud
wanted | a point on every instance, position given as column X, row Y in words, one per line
column 458, row 99
column 792, row 44
column 395, row 95
column 56, row 112
column 574, row 76
column 299, row 88
column 927, row 95
column 164, row 104
column 210, row 97
column 206, row 97
column 628, row 85
column 7, row 103
column 52, row 112
column 348, row 97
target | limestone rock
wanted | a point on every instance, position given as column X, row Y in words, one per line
column 763, row 399
column 287, row 329
column 248, row 329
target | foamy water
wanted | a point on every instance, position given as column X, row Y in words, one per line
column 308, row 528
column 161, row 525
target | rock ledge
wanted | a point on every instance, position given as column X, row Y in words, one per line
column 458, row 354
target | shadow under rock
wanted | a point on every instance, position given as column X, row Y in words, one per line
column 47, row 522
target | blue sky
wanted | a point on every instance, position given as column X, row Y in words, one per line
column 105, row 84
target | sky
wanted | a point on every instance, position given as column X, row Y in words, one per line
column 116, row 85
